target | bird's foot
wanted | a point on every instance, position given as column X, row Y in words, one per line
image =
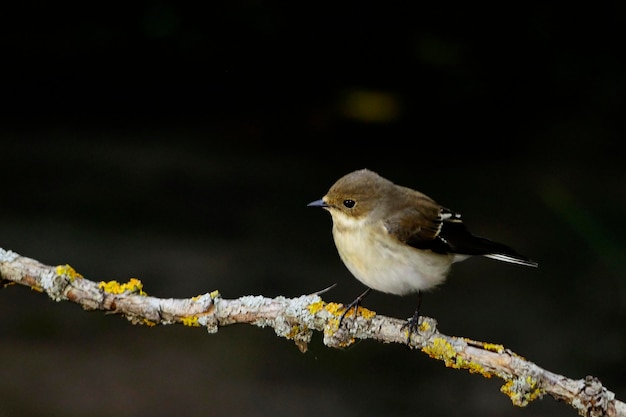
column 355, row 304
column 413, row 325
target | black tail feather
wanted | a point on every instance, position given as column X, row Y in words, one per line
column 454, row 237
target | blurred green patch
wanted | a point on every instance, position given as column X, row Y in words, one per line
column 582, row 220
column 438, row 52
column 161, row 21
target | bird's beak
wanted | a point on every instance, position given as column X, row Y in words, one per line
column 317, row 203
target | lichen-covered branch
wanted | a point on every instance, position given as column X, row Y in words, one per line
column 297, row 318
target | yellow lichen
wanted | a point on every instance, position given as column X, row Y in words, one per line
column 334, row 308
column 190, row 321
column 298, row 335
column 212, row 294
column 522, row 390
column 148, row 323
column 536, row 390
column 423, row 327
column 338, row 309
column 493, row 347
column 315, row 307
column 68, row 271
column 476, row 368
column 133, row 286
column 333, row 325
column 366, row 314
column 442, row 350
column 294, row 331
column 346, row 343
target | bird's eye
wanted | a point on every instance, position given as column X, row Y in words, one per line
column 349, row 203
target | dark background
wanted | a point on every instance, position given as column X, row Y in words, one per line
column 180, row 144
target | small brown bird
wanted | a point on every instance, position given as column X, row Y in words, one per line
column 399, row 241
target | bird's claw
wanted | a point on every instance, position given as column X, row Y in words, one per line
column 413, row 326
column 355, row 304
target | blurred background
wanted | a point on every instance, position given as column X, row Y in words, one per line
column 179, row 143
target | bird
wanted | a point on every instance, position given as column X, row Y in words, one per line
column 399, row 241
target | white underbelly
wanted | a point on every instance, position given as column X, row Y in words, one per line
column 391, row 268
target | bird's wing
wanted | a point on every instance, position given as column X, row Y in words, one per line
column 418, row 224
column 442, row 231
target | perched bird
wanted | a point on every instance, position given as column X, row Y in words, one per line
column 399, row 241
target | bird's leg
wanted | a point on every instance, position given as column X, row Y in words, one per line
column 356, row 303
column 413, row 323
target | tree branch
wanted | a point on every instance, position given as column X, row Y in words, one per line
column 297, row 318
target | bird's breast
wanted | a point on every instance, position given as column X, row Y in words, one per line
column 385, row 264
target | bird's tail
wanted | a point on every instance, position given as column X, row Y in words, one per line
column 514, row 259
column 500, row 252
column 454, row 237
